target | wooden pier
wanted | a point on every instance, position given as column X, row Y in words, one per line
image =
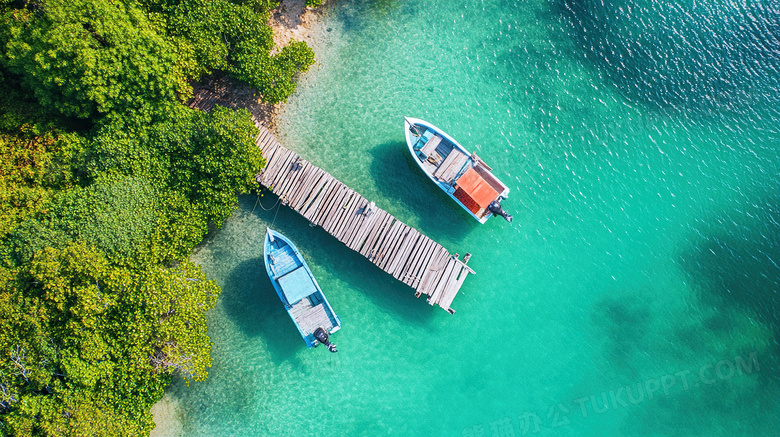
column 394, row 247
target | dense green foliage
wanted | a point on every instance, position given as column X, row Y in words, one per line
column 31, row 168
column 130, row 221
column 107, row 183
column 91, row 57
column 232, row 36
column 83, row 335
column 201, row 155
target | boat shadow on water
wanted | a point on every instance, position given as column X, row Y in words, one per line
column 251, row 302
column 397, row 177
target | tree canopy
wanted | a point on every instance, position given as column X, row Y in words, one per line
column 107, row 184
column 81, row 333
column 91, row 57
column 206, row 157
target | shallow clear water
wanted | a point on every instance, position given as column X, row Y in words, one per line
column 636, row 291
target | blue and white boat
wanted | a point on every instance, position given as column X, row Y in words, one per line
column 462, row 175
column 301, row 295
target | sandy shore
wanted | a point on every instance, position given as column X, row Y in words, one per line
column 291, row 20
column 167, row 418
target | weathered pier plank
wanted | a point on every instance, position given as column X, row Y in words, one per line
column 398, row 249
column 375, row 233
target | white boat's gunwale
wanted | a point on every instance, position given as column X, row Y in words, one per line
column 408, row 122
column 280, row 292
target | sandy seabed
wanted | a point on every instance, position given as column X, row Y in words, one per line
column 167, row 417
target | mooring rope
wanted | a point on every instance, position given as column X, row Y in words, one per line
column 257, row 202
column 277, row 213
column 276, row 205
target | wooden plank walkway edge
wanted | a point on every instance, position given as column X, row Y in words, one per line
column 398, row 249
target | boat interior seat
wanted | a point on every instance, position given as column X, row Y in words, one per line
column 296, row 284
column 431, row 145
column 451, row 166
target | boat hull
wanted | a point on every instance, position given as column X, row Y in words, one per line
column 413, row 142
column 297, row 288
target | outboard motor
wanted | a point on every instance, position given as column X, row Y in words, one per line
column 322, row 336
column 495, row 208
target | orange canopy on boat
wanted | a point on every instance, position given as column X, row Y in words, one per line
column 474, row 191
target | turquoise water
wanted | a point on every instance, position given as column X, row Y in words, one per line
column 636, row 291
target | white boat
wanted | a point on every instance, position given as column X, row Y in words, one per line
column 461, row 174
column 299, row 291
